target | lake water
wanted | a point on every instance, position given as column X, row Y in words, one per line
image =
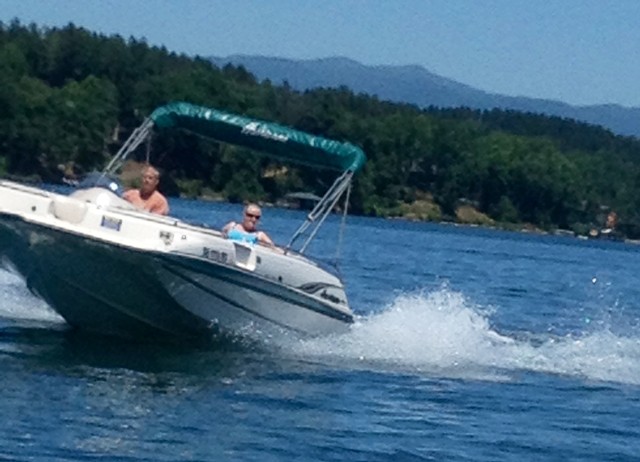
column 470, row 345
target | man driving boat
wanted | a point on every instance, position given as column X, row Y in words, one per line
column 148, row 197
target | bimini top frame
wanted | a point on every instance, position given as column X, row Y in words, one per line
column 271, row 139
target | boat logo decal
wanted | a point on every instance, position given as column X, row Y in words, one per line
column 254, row 128
column 315, row 287
column 215, row 255
column 332, row 298
column 111, row 223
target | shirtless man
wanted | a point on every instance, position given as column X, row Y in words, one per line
column 148, row 197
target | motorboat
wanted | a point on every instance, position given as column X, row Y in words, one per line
column 107, row 267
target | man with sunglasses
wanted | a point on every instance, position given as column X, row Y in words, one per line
column 247, row 231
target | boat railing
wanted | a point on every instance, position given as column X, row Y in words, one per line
column 320, row 212
column 139, row 135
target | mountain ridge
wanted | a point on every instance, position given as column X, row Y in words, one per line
column 414, row 84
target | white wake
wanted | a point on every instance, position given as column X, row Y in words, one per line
column 16, row 302
column 443, row 333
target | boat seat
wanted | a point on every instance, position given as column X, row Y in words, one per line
column 69, row 210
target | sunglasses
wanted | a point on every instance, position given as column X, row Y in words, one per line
column 252, row 215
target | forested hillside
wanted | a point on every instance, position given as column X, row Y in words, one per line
column 70, row 97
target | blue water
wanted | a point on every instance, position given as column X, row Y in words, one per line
column 470, row 345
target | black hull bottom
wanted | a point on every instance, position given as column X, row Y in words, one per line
column 69, row 273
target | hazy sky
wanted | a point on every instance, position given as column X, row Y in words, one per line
column 576, row 51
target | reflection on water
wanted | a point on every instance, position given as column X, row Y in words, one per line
column 64, row 348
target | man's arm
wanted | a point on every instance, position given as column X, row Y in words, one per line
column 226, row 228
column 262, row 237
column 160, row 205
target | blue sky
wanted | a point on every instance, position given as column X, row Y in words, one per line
column 577, row 51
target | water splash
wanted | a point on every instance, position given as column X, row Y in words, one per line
column 16, row 302
column 600, row 355
column 443, row 333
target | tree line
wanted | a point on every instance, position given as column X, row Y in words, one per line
column 69, row 97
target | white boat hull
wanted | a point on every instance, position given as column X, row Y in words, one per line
column 106, row 268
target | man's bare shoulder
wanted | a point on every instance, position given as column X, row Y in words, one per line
column 157, row 195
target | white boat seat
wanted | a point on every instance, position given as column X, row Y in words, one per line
column 69, row 210
column 102, row 197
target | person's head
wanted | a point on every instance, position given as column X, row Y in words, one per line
column 251, row 217
column 150, row 179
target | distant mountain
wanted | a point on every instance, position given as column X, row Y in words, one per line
column 416, row 85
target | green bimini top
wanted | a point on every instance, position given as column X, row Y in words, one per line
column 272, row 139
